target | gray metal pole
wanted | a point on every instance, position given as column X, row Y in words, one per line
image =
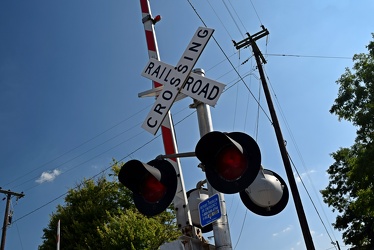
column 221, row 228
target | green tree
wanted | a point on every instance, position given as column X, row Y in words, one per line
column 351, row 187
column 100, row 214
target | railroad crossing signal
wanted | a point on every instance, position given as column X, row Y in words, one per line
column 153, row 184
column 179, row 79
column 232, row 163
column 231, row 160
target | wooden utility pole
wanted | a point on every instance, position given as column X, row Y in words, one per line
column 9, row 195
column 251, row 41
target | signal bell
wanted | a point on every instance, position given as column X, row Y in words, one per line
column 153, row 184
column 267, row 195
column 231, row 160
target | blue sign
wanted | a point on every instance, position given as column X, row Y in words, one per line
column 209, row 210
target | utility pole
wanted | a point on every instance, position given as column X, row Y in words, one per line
column 9, row 195
column 251, row 41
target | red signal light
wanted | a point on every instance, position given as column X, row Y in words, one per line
column 231, row 163
column 231, row 160
column 152, row 190
column 153, row 184
column 156, row 19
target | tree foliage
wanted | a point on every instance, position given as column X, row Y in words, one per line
column 351, row 187
column 100, row 214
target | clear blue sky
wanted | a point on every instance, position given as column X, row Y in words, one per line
column 70, row 76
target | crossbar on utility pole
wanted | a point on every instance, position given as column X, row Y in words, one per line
column 251, row 41
column 9, row 195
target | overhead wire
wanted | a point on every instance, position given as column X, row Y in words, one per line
column 259, row 105
column 117, row 124
column 91, row 178
column 311, row 56
column 232, row 17
column 220, row 20
column 237, row 16
column 294, row 166
column 94, row 157
column 101, row 172
column 257, row 122
column 241, row 229
column 231, row 64
column 310, row 198
column 78, row 146
column 97, row 155
column 90, row 149
column 256, row 137
column 292, row 137
column 254, row 8
column 16, row 224
column 299, row 154
column 241, row 78
column 236, row 99
column 222, row 61
column 87, row 151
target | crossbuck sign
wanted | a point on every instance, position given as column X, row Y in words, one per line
column 180, row 79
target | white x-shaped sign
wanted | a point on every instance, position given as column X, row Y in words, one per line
column 180, row 79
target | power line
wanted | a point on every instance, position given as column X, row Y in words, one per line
column 232, row 65
column 299, row 153
column 219, row 19
column 19, row 234
column 91, row 178
column 254, row 8
column 76, row 147
column 241, row 79
column 236, row 13
column 290, row 55
column 232, row 17
column 87, row 151
column 97, row 155
column 312, row 56
column 310, row 198
column 101, row 172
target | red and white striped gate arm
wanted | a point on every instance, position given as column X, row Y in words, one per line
column 167, row 128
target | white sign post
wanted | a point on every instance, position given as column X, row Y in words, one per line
column 179, row 79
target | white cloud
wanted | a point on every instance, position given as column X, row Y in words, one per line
column 314, row 233
column 48, row 176
column 287, row 229
column 303, row 175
